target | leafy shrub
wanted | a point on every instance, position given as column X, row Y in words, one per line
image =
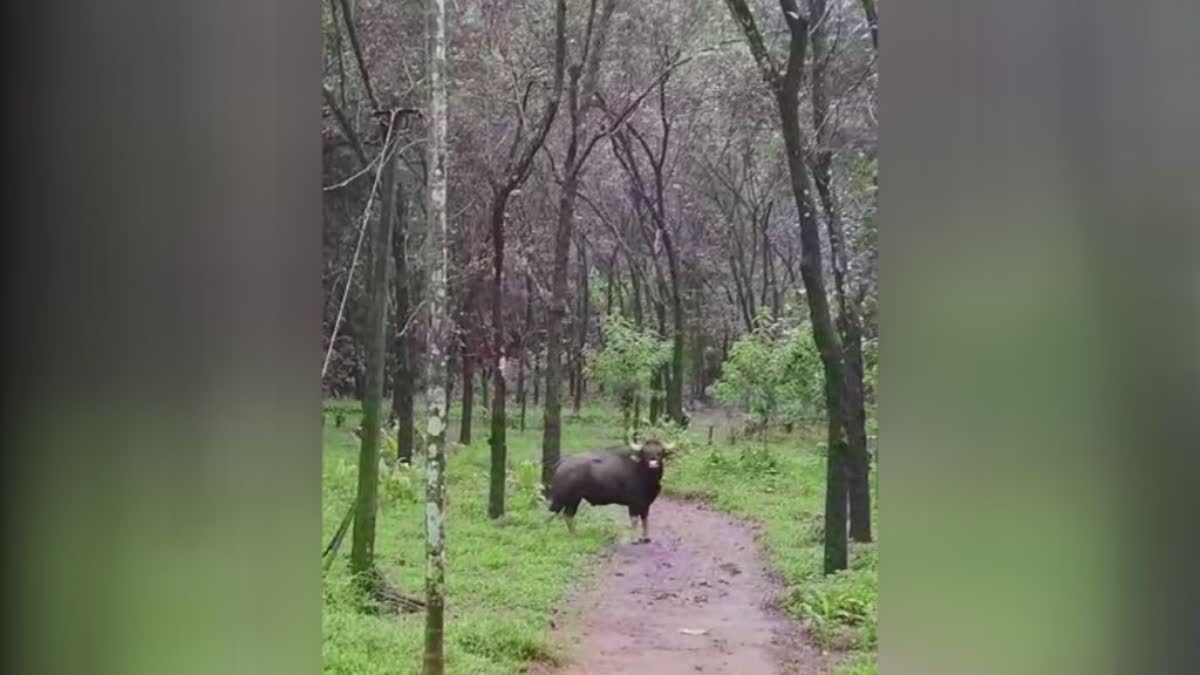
column 626, row 361
column 839, row 606
column 398, row 484
column 526, row 481
column 773, row 372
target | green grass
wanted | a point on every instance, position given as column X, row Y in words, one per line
column 782, row 486
column 502, row 577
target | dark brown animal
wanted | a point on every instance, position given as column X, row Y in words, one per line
column 630, row 476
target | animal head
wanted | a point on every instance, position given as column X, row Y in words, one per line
column 651, row 453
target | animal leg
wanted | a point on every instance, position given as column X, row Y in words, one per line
column 569, row 515
column 645, row 528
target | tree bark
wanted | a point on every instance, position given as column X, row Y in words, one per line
column 785, row 88
column 468, row 396
column 362, row 548
column 552, row 424
column 849, row 321
column 537, row 378
column 872, row 21
column 498, row 440
column 434, row 660
column 585, row 307
column 586, row 69
column 404, row 345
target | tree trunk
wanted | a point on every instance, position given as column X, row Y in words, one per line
column 362, row 549
column 658, row 381
column 785, row 87
column 585, row 307
column 498, row 440
column 537, row 378
column 437, row 247
column 522, row 393
column 405, row 342
column 451, row 373
column 552, row 424
column 468, row 396
column 872, row 21
column 572, row 162
column 849, row 321
column 824, row 335
column 675, row 383
column 552, row 417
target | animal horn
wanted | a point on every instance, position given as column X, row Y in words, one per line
column 636, row 447
column 669, row 447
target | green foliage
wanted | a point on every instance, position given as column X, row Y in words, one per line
column 773, row 372
column 836, row 605
column 399, row 484
column 860, row 664
column 627, row 359
column 666, row 431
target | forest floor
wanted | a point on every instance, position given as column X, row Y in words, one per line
column 523, row 593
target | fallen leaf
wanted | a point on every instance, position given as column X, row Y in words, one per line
column 693, row 631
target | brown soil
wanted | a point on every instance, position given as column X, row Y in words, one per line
column 696, row 599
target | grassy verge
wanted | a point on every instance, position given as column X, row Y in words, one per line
column 782, row 486
column 503, row 577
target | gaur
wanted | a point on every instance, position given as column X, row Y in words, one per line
column 630, row 476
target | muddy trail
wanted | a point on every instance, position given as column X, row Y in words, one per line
column 695, row 599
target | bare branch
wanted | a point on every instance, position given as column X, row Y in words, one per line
column 347, row 15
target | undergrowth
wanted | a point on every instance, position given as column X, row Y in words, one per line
column 503, row 577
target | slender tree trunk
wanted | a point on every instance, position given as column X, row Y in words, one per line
column 572, row 162
column 485, row 379
column 572, row 381
column 537, row 378
column 556, row 313
column 826, row 340
column 658, row 381
column 405, row 341
column 499, row 437
column 451, row 373
column 585, row 308
column 824, row 336
column 362, row 548
column 439, row 333
column 872, row 21
column 468, row 396
column 675, row 383
column 552, row 425
column 522, row 393
column 849, row 322
column 785, row 86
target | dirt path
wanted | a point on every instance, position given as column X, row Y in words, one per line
column 693, row 600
